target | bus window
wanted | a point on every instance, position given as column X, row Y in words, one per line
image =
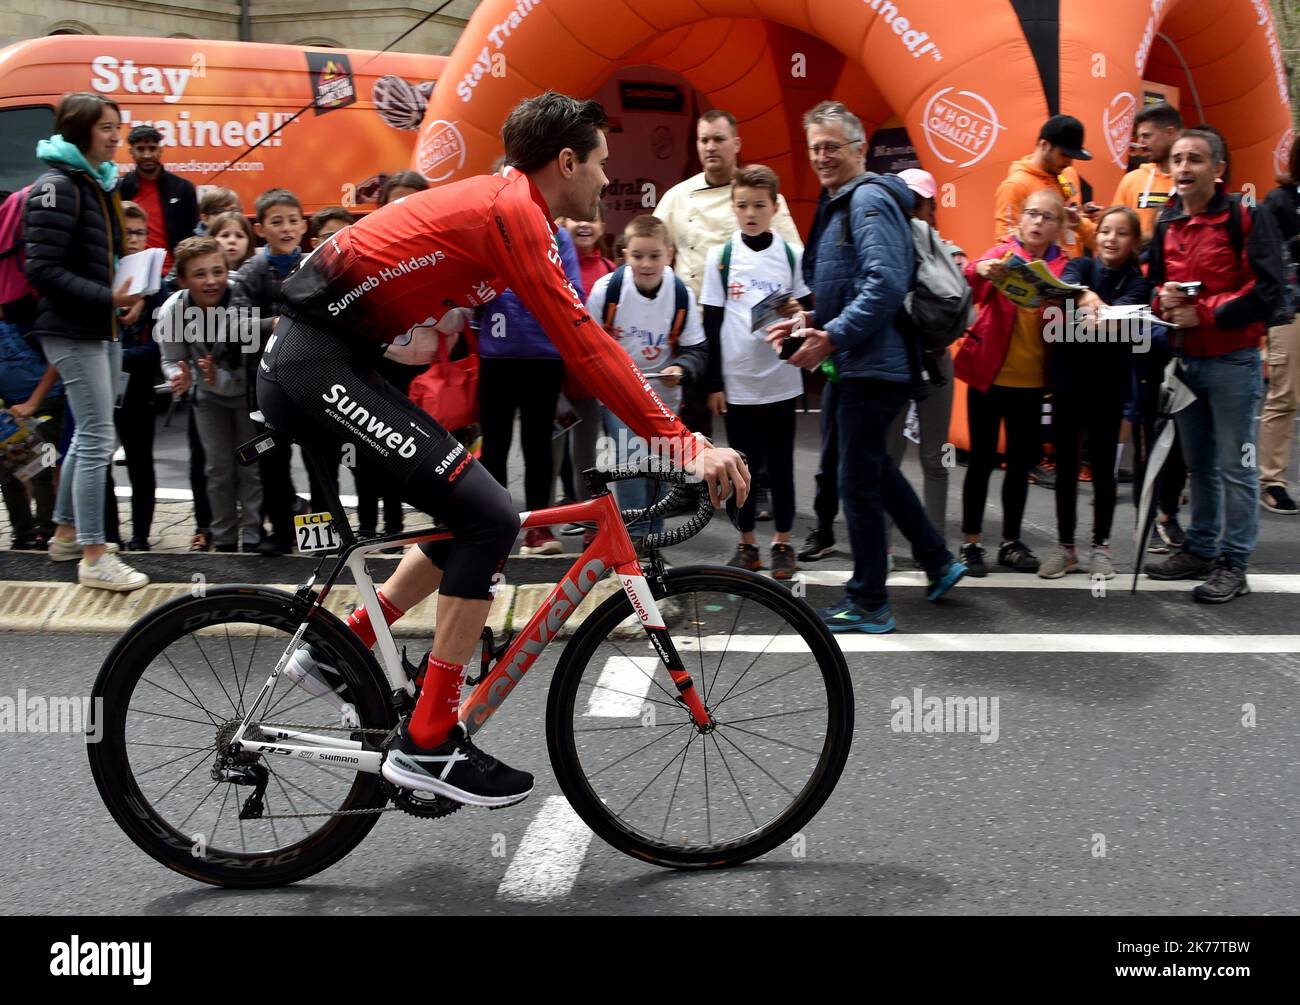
column 22, row 128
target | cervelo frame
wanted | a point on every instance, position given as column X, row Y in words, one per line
column 611, row 548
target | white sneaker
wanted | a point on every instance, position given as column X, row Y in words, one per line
column 65, row 551
column 110, row 573
column 1100, row 565
column 1061, row 562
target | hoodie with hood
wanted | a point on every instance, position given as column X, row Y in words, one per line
column 73, row 236
column 1023, row 180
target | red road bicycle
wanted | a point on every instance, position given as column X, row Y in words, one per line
column 697, row 718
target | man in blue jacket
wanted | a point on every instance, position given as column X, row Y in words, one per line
column 862, row 268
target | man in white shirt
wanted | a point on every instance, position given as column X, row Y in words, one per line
column 699, row 216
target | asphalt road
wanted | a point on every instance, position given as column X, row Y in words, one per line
column 1147, row 753
column 1144, row 763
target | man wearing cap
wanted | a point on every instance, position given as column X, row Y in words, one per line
column 169, row 200
column 1060, row 144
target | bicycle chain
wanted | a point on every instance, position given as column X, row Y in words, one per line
column 336, row 813
column 311, row 726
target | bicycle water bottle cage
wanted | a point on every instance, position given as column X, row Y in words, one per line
column 491, row 653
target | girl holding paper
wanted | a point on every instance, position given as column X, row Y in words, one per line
column 1002, row 359
column 1091, row 380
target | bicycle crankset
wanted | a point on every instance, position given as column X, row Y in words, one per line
column 412, row 802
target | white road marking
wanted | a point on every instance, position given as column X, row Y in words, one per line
column 996, row 642
column 621, row 689
column 546, row 865
column 1259, row 582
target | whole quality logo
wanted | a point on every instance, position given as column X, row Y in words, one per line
column 961, row 127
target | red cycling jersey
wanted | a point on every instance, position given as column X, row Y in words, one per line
column 460, row 245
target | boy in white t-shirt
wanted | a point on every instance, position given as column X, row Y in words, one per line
column 654, row 317
column 751, row 387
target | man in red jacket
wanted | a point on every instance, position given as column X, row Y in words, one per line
column 1208, row 237
column 387, row 281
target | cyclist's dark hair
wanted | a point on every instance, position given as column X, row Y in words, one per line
column 402, row 179
column 1163, row 115
column 539, row 128
column 77, row 114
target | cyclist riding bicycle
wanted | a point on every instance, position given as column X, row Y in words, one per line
column 392, row 283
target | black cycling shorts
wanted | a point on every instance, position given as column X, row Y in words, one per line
column 323, row 389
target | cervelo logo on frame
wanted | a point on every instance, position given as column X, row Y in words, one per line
column 961, row 127
column 1117, row 123
column 563, row 601
column 442, row 150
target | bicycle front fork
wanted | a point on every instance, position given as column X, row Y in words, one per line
column 647, row 611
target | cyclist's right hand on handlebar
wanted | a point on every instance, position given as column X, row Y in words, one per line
column 723, row 471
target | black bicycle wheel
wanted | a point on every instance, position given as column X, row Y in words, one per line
column 174, row 689
column 638, row 771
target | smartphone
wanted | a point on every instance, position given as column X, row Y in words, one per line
column 791, row 345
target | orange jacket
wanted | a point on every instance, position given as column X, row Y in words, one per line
column 1147, row 190
column 1022, row 181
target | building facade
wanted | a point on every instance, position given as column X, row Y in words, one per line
column 353, row 24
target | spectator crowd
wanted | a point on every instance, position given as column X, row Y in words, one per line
column 735, row 316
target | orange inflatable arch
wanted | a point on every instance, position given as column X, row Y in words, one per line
column 965, row 79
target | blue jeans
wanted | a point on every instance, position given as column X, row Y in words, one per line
column 637, row 493
column 1217, row 432
column 90, row 372
column 871, row 485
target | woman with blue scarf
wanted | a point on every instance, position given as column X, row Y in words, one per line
column 74, row 236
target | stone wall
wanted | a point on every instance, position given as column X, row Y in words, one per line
column 355, row 24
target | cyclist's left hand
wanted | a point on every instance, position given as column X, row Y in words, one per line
column 671, row 376
column 723, row 471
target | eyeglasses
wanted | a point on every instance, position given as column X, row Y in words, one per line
column 1038, row 214
column 132, row 232
column 830, row 149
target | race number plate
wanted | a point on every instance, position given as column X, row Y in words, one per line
column 315, row 532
